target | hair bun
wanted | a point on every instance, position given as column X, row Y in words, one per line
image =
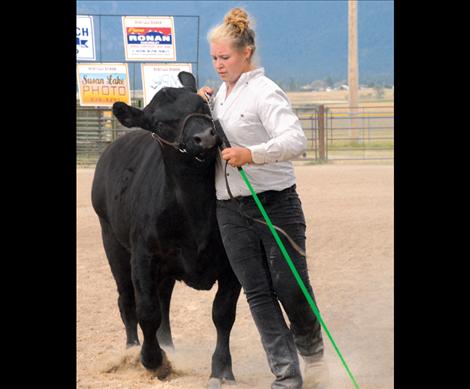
column 237, row 18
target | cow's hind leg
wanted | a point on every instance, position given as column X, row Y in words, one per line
column 144, row 278
column 120, row 263
column 223, row 316
column 165, row 289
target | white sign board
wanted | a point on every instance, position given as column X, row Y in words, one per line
column 103, row 84
column 157, row 76
column 85, row 38
column 149, row 38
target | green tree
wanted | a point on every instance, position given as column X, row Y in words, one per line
column 379, row 91
column 329, row 82
column 292, row 85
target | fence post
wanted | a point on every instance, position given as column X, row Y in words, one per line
column 113, row 128
column 321, row 132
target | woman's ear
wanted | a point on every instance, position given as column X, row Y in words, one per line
column 247, row 52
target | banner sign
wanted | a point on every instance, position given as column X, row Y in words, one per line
column 85, row 38
column 101, row 85
column 157, row 76
column 149, row 38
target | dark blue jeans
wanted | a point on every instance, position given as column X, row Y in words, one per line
column 267, row 279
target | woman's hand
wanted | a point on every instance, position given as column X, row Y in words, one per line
column 205, row 89
column 237, row 156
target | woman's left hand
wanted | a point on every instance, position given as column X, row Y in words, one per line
column 237, row 156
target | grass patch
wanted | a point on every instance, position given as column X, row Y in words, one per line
column 364, row 144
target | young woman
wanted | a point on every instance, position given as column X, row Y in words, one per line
column 265, row 135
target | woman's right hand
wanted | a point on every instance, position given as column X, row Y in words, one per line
column 205, row 89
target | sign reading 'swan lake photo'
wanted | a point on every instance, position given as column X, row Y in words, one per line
column 149, row 38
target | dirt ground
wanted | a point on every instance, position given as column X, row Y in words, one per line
column 349, row 212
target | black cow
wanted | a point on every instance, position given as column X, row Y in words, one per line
column 154, row 194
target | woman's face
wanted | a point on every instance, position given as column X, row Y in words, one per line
column 229, row 62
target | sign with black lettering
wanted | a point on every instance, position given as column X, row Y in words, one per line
column 156, row 76
column 102, row 84
column 85, row 38
column 149, row 38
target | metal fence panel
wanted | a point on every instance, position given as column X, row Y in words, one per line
column 333, row 133
column 362, row 133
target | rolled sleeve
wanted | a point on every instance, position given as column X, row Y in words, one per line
column 288, row 139
column 258, row 153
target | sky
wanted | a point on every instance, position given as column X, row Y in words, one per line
column 297, row 41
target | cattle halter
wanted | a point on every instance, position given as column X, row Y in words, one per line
column 178, row 144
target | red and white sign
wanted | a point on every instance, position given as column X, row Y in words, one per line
column 149, row 38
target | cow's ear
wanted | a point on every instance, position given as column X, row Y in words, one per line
column 187, row 80
column 128, row 116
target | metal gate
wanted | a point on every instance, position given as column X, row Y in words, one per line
column 333, row 132
column 361, row 133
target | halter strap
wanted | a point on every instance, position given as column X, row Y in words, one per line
column 178, row 143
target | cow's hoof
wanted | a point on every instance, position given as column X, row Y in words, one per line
column 214, row 383
column 165, row 369
column 149, row 361
column 230, row 382
column 228, row 377
column 162, row 371
column 151, row 358
column 132, row 344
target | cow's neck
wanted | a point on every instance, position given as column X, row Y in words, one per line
column 192, row 182
column 194, row 195
column 183, row 168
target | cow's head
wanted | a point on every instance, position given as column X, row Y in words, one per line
column 178, row 116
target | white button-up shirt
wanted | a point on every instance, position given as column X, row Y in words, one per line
column 257, row 115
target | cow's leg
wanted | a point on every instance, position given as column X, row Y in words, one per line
column 144, row 278
column 223, row 315
column 165, row 289
column 120, row 262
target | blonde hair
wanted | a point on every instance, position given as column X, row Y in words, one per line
column 236, row 29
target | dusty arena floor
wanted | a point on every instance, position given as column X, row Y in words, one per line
column 349, row 212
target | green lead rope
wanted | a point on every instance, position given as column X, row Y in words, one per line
column 296, row 274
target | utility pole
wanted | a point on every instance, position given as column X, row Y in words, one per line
column 353, row 73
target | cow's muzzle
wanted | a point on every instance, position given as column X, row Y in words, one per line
column 206, row 139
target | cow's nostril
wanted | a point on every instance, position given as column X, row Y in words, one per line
column 197, row 139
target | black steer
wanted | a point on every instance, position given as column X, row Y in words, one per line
column 154, row 194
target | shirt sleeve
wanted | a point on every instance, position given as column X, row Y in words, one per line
column 288, row 139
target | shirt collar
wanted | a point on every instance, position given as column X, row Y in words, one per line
column 247, row 76
column 243, row 79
